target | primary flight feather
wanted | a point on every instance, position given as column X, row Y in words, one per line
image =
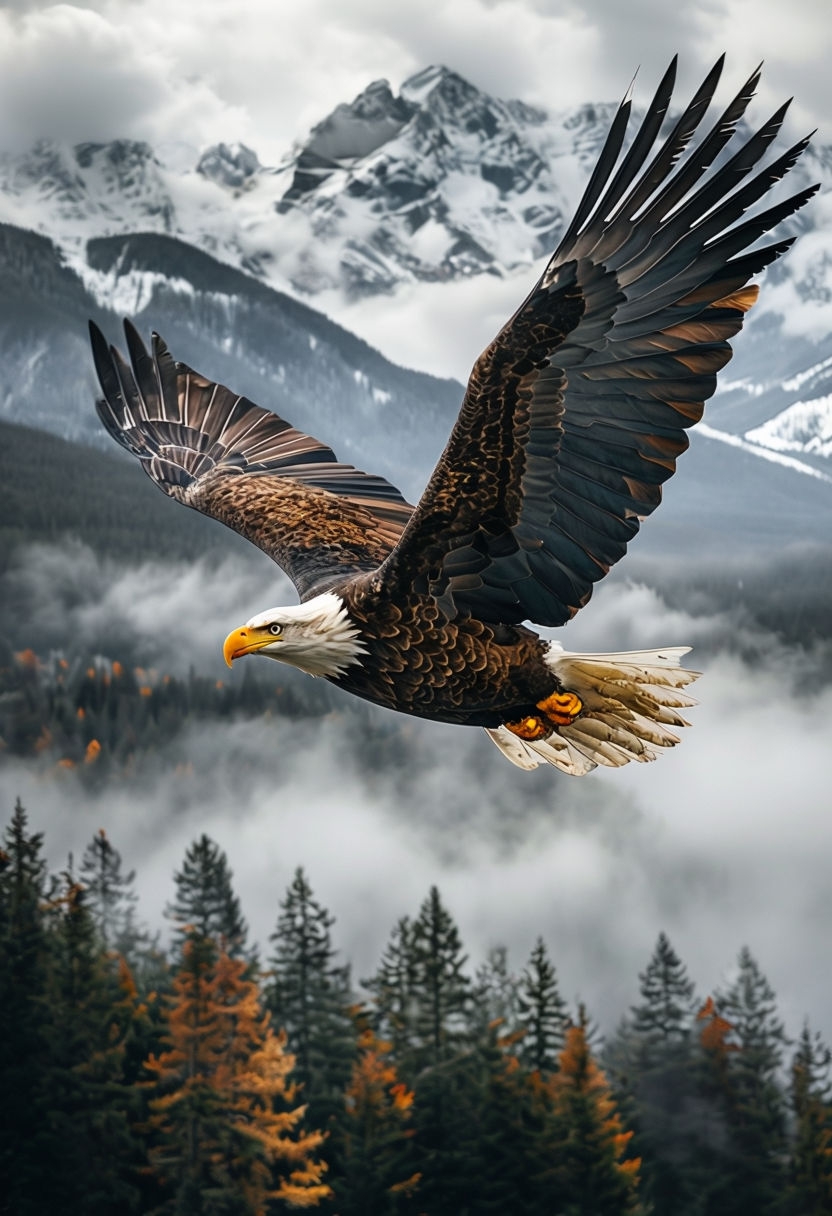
column 573, row 418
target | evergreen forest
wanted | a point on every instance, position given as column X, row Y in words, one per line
column 212, row 1076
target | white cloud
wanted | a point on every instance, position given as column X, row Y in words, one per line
column 264, row 73
column 73, row 74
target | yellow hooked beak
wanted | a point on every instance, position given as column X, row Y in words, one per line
column 246, row 641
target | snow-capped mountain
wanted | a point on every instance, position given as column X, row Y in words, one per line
column 420, row 191
column 439, row 182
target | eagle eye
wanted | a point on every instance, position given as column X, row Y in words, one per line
column 276, row 630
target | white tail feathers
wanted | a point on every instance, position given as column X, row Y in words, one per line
column 630, row 701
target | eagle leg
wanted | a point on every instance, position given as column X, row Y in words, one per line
column 561, row 708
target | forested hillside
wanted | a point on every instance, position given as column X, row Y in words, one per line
column 54, row 490
column 210, row 1075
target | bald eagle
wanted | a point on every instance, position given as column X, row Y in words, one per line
column 573, row 418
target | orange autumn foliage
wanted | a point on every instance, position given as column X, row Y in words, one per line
column 93, row 751
column 590, row 1140
column 375, row 1087
column 224, row 1111
column 378, row 1110
column 714, row 1033
column 43, row 741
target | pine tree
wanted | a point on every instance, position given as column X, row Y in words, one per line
column 225, row 1129
column 109, row 893
column 665, row 1014
column 310, row 998
column 655, row 1060
column 376, row 1171
column 393, row 987
column 441, row 991
column 24, row 1022
column 494, row 995
column 809, row 1191
column 89, row 1102
column 205, row 905
column 506, row 1131
column 755, row 1104
column 445, row 1070
column 589, row 1171
column 542, row 1012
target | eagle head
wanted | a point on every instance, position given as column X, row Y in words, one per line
column 319, row 636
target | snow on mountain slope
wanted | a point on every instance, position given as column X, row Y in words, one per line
column 268, row 346
column 805, row 426
column 763, row 451
column 439, row 182
column 442, row 197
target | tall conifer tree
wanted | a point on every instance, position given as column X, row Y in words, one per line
column 755, row 1104
column 809, row 1192
column 24, row 1024
column 442, row 990
column 446, row 1070
column 377, row 1173
column 310, row 998
column 655, row 1057
column 542, row 1012
column 591, row 1171
column 89, row 1103
column 110, row 896
column 205, row 904
column 393, row 987
column 224, row 1119
column 506, row 1131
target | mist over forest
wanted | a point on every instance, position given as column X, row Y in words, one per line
column 721, row 842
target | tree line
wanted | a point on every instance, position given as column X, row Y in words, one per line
column 103, row 717
column 208, row 1078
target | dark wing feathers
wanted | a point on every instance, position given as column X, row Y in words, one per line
column 576, row 413
column 573, row 417
column 283, row 490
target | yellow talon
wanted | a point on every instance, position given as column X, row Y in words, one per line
column 562, row 708
column 532, row 727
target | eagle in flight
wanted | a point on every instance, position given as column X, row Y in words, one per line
column 573, row 418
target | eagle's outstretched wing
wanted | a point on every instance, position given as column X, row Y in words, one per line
column 322, row 521
column 576, row 413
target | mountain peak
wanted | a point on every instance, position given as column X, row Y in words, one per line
column 357, row 128
column 423, row 82
column 230, row 165
column 120, row 153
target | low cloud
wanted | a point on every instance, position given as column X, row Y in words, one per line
column 177, row 614
column 722, row 841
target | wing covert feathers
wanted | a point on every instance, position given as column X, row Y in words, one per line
column 286, row 492
column 576, row 413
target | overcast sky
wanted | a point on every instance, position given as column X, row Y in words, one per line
column 264, row 71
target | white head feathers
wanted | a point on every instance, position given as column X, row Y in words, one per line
column 318, row 636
